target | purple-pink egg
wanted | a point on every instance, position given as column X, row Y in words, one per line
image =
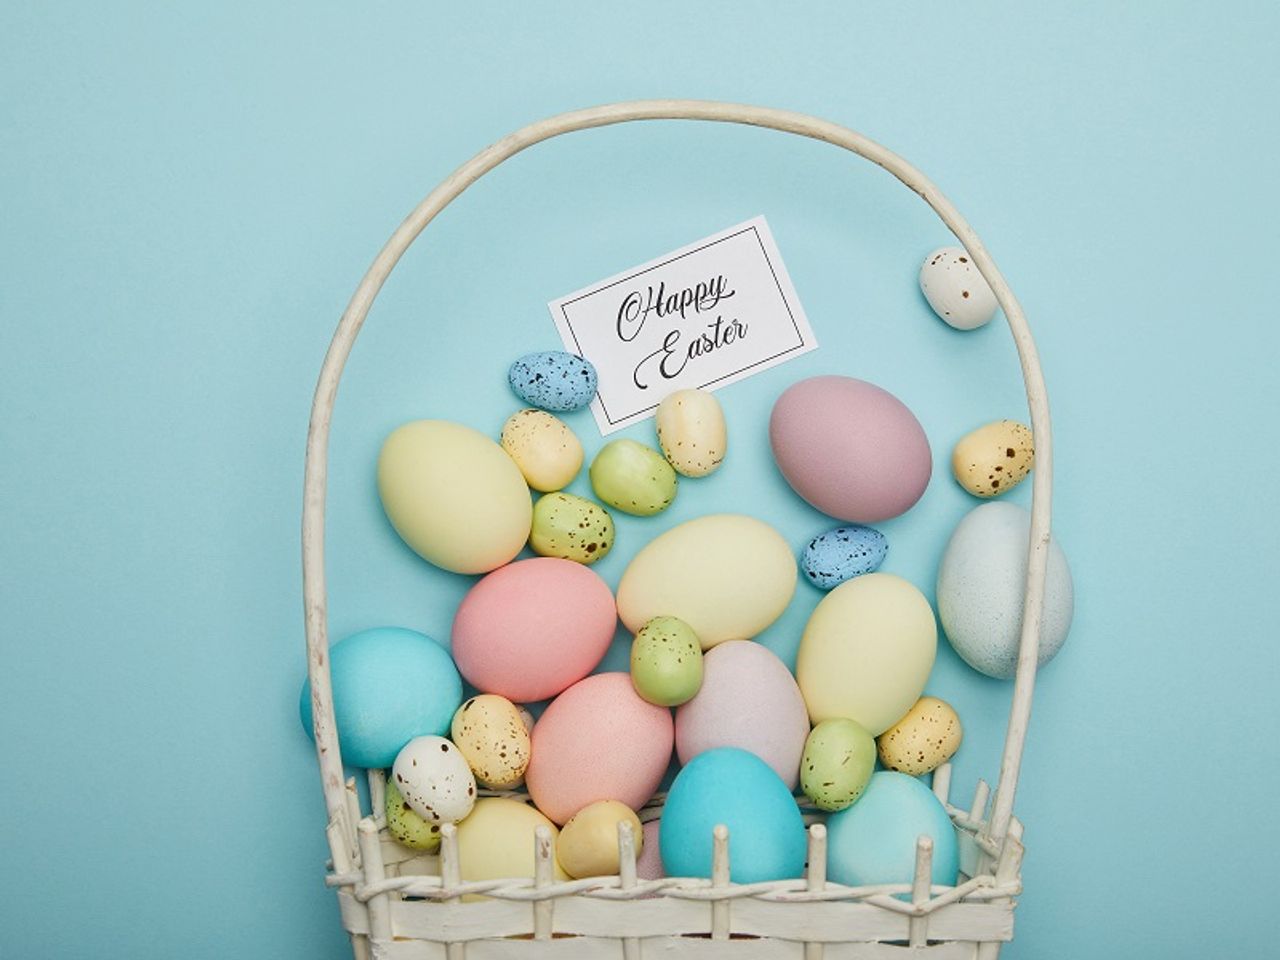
column 851, row 449
column 649, row 863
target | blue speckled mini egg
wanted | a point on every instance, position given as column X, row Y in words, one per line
column 842, row 554
column 553, row 380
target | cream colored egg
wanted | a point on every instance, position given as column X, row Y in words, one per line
column 497, row 841
column 867, row 651
column 691, row 432
column 927, row 737
column 588, row 844
column 454, row 496
column 547, row 452
column 491, row 735
column 727, row 576
column 993, row 459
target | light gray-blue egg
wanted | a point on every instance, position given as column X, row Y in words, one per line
column 842, row 554
column 553, row 380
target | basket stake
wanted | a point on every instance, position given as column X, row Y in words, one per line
column 542, row 877
column 378, row 795
column 451, row 876
column 627, row 880
column 816, row 878
column 942, row 783
column 379, row 905
column 920, row 884
column 720, row 878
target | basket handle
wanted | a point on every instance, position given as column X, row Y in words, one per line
column 313, row 577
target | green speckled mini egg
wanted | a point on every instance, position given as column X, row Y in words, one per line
column 633, row 478
column 839, row 758
column 406, row 827
column 666, row 662
column 571, row 528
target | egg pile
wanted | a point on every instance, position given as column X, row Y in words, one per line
column 746, row 730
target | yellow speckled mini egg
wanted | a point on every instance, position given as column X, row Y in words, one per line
column 491, row 735
column 588, row 844
column 927, row 737
column 994, row 458
column 571, row 528
column 547, row 452
column 405, row 826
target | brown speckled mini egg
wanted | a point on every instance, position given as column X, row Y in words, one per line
column 927, row 737
column 545, row 449
column 405, row 826
column 571, row 528
column 491, row 735
column 994, row 458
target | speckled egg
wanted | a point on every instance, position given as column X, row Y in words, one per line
column 588, row 844
column 981, row 582
column 994, row 458
column 666, row 662
column 433, row 777
column 571, row 528
column 927, row 737
column 497, row 841
column 633, row 478
column 405, row 826
column 691, row 432
column 553, row 380
column 547, row 452
column 839, row 758
column 490, row 733
column 841, row 554
column 956, row 290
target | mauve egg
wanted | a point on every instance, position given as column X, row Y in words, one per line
column 851, row 449
column 649, row 862
column 598, row 741
column 532, row 628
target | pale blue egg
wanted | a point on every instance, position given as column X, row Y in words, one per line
column 874, row 841
column 735, row 788
column 389, row 686
column 842, row 554
column 553, row 380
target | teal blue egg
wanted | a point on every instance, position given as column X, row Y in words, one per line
column 389, row 686
column 874, row 841
column 735, row 788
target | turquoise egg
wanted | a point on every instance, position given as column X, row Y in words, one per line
column 389, row 686
column 735, row 788
column 874, row 841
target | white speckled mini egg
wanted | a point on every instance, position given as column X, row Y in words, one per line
column 956, row 290
column 491, row 736
column 926, row 738
column 548, row 453
column 433, row 777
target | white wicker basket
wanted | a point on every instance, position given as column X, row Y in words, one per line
column 396, row 904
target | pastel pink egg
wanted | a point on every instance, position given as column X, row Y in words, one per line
column 649, row 863
column 533, row 628
column 598, row 741
column 749, row 700
column 851, row 449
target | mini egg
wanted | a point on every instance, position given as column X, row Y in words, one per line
column 571, row 528
column 433, row 777
column 553, row 380
column 927, row 737
column 841, row 554
column 691, row 432
column 993, row 459
column 633, row 478
column 405, row 826
column 547, row 452
column 958, row 293
column 498, row 841
column 588, row 844
column 839, row 758
column 666, row 662
column 490, row 733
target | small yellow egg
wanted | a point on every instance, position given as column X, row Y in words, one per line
column 588, row 845
column 547, row 452
column 994, row 458
column 927, row 737
column 490, row 733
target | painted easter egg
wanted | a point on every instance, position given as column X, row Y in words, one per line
column 927, row 737
column 389, row 686
column 981, row 582
column 956, row 291
column 839, row 758
column 454, row 496
column 666, row 662
column 739, row 790
column 993, row 459
column 547, row 452
column 588, row 844
column 490, row 733
column 532, row 628
column 727, row 576
column 867, row 651
column 649, row 861
column 874, row 840
column 571, row 528
column 433, row 777
column 497, row 840
column 598, row 741
column 691, row 432
column 553, row 380
column 749, row 700
column 405, row 826
column 841, row 554
column 633, row 478
column 849, row 448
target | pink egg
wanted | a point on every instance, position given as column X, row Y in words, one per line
column 598, row 741
column 749, row 700
column 851, row 449
column 533, row 628
column 649, row 863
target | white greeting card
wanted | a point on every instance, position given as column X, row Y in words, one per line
column 702, row 316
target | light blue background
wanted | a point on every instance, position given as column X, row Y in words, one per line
column 190, row 192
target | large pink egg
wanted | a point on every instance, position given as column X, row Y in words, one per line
column 851, row 449
column 598, row 741
column 749, row 700
column 532, row 628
